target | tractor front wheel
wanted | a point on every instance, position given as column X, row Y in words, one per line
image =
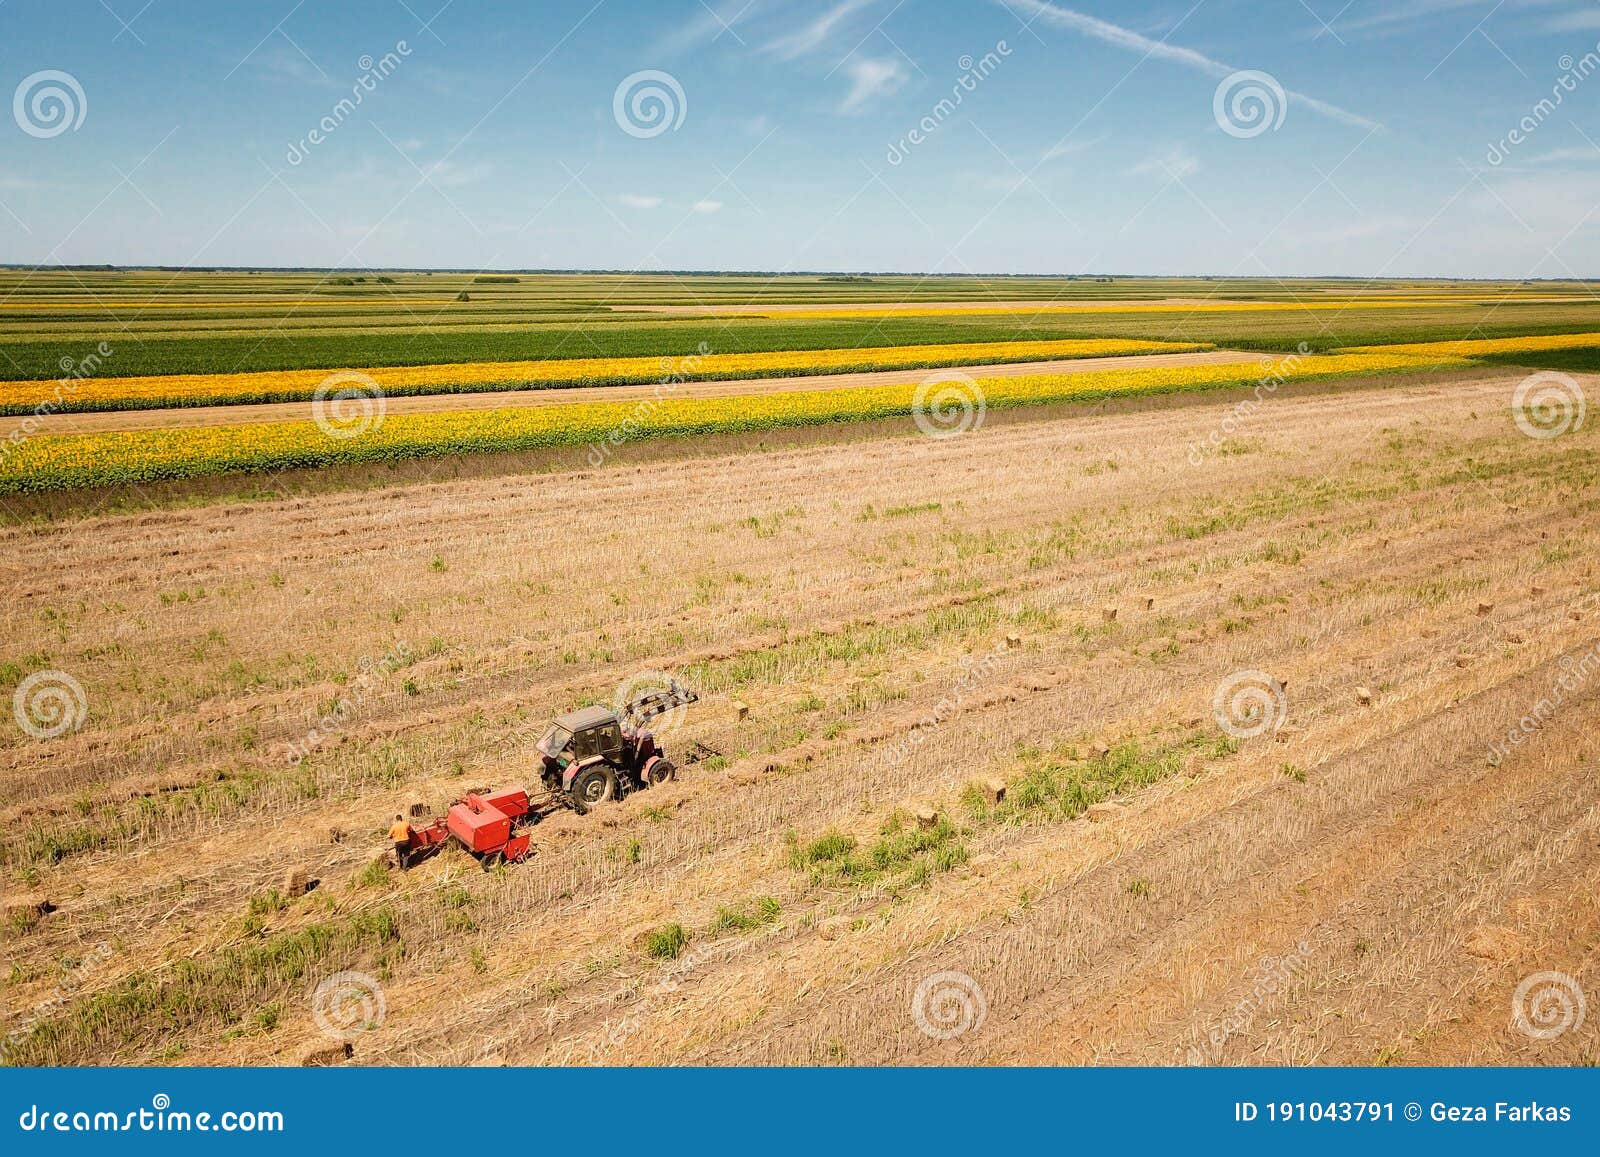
column 594, row 785
column 661, row 771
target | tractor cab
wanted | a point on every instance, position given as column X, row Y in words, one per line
column 579, row 736
column 594, row 754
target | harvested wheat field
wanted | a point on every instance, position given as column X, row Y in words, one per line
column 1061, row 741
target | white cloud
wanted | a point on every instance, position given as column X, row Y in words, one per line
column 871, row 77
column 707, row 206
column 1570, row 153
column 1395, row 15
column 1174, row 165
column 1580, row 21
column 638, row 201
column 1137, row 42
column 447, row 174
column 1067, row 148
column 815, row 34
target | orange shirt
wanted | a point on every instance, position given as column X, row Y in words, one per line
column 401, row 832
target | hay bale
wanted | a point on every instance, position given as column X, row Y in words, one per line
column 1536, row 589
column 1464, row 659
column 1013, row 642
column 416, row 809
column 1099, row 749
column 1485, row 607
column 27, row 908
column 927, row 816
column 1493, row 942
column 323, row 1055
column 741, row 710
column 994, row 792
column 296, row 883
column 1099, row 813
column 1149, row 604
column 1109, row 613
column 1364, row 696
column 336, row 835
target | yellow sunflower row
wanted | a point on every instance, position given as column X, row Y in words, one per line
column 1477, row 347
column 363, row 433
column 1050, row 307
column 173, row 390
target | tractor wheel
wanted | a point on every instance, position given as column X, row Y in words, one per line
column 594, row 785
column 661, row 771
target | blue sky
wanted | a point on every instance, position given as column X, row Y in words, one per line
column 1093, row 140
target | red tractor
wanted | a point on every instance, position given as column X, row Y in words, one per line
column 587, row 757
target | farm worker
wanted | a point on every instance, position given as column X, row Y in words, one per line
column 400, row 833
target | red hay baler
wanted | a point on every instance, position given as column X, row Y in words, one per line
column 586, row 758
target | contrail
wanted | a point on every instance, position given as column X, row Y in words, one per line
column 1136, row 42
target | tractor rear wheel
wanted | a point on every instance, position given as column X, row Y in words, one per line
column 594, row 785
column 661, row 771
